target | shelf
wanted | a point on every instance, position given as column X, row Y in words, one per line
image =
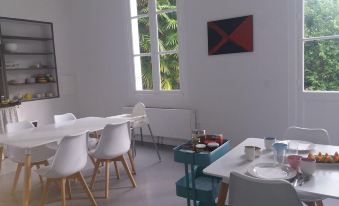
column 28, row 53
column 27, row 38
column 34, row 99
column 34, row 69
column 25, row 84
column 38, row 48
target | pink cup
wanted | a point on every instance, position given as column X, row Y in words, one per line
column 294, row 161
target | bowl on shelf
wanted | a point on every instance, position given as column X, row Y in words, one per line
column 11, row 47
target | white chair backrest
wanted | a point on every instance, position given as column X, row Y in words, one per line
column 14, row 152
column 71, row 156
column 64, row 117
column 245, row 190
column 139, row 109
column 115, row 141
column 17, row 126
column 317, row 136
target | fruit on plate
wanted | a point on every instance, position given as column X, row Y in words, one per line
column 324, row 158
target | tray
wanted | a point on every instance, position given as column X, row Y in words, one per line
column 183, row 154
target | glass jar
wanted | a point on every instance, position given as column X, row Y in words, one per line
column 198, row 135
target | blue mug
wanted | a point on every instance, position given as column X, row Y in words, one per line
column 279, row 151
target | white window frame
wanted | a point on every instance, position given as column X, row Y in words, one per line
column 309, row 39
column 155, row 53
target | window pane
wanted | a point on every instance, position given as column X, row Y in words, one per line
column 169, row 72
column 321, row 18
column 167, row 31
column 143, row 73
column 141, row 35
column 321, row 65
column 139, row 7
column 166, row 4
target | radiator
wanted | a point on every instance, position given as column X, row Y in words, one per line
column 169, row 122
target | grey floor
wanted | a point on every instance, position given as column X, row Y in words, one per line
column 156, row 184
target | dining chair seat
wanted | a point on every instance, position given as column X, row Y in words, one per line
column 248, row 191
column 39, row 155
column 63, row 118
column 69, row 160
column 113, row 144
column 314, row 135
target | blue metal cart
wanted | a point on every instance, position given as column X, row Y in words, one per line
column 195, row 186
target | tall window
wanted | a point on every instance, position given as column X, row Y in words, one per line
column 155, row 44
column 321, row 45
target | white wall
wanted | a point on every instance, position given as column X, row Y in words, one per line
column 58, row 12
column 240, row 95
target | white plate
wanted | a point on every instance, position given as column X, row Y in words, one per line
column 271, row 171
column 301, row 146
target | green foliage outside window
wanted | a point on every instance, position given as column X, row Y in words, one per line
column 321, row 57
column 167, row 41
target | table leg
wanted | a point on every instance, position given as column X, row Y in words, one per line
column 27, row 179
column 222, row 194
column 1, row 155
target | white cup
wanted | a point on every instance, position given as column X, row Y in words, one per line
column 308, row 166
column 250, row 153
column 269, row 141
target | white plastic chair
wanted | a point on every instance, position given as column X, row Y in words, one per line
column 40, row 155
column 245, row 191
column 314, row 135
column 113, row 144
column 59, row 119
column 140, row 110
column 70, row 159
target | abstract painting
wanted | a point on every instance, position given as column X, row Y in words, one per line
column 230, row 35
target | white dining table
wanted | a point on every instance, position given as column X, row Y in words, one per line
column 323, row 182
column 28, row 139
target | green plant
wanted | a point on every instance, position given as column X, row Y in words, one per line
column 321, row 57
column 167, row 41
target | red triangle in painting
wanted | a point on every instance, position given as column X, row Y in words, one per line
column 243, row 34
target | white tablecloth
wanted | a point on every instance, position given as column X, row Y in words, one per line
column 8, row 114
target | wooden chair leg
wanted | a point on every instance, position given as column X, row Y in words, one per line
column 68, row 189
column 131, row 160
column 107, row 179
column 116, row 170
column 92, row 159
column 63, row 191
column 131, row 178
column 95, row 172
column 27, row 179
column 40, row 178
column 222, row 194
column 1, row 155
column 84, row 185
column 16, row 178
column 45, row 192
